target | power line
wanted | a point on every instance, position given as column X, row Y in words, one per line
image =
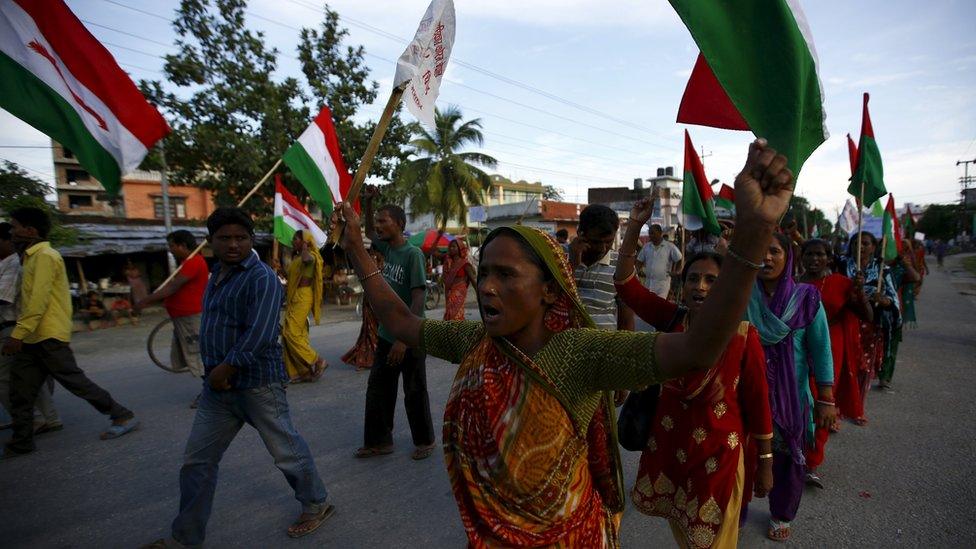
column 87, row 22
column 51, row 175
column 26, row 147
column 150, row 14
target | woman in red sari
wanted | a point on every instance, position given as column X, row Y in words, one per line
column 846, row 305
column 457, row 273
column 362, row 353
column 693, row 470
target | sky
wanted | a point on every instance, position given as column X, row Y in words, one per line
column 577, row 95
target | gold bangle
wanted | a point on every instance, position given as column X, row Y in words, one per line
column 371, row 275
column 766, row 456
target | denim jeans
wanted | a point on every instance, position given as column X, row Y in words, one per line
column 220, row 415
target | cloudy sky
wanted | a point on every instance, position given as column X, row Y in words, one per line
column 579, row 95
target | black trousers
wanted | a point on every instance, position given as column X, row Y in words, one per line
column 28, row 370
column 381, row 397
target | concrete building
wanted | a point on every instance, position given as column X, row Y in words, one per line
column 547, row 215
column 501, row 192
column 80, row 194
column 621, row 199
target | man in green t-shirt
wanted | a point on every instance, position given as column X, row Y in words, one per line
column 404, row 270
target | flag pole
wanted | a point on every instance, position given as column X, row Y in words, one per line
column 374, row 144
column 860, row 221
column 199, row 247
column 884, row 242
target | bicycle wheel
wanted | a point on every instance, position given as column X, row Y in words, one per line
column 158, row 346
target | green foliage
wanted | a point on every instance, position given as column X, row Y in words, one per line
column 808, row 217
column 232, row 119
column 550, row 192
column 441, row 179
column 19, row 190
column 942, row 221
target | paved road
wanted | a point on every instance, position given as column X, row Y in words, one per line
column 906, row 479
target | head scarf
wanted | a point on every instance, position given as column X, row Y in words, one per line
column 454, row 271
column 568, row 312
column 792, row 306
column 296, row 269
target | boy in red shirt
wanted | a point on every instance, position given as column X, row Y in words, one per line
column 183, row 299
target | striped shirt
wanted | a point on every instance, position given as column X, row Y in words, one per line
column 239, row 325
column 597, row 292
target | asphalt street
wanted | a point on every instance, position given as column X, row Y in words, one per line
column 906, row 479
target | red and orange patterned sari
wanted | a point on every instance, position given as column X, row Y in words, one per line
column 456, row 283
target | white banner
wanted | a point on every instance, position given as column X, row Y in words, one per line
column 848, row 218
column 424, row 61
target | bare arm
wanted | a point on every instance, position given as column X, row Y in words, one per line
column 625, row 316
column 389, row 309
column 763, row 191
column 163, row 292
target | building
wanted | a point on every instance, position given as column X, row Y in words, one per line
column 547, row 215
column 502, row 191
column 622, row 199
column 80, row 194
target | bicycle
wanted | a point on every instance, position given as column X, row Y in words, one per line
column 158, row 346
column 434, row 293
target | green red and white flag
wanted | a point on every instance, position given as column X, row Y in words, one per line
column 290, row 216
column 868, row 177
column 55, row 76
column 696, row 195
column 316, row 160
column 738, row 84
column 725, row 197
column 890, row 231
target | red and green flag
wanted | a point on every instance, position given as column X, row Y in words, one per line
column 696, row 195
column 316, row 161
column 852, row 153
column 868, row 176
column 58, row 78
column 758, row 70
column 890, row 231
column 725, row 197
column 908, row 222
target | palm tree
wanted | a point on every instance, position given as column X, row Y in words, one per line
column 441, row 180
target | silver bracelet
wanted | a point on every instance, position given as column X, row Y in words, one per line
column 731, row 253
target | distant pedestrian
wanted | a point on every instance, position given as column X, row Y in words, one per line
column 362, row 354
column 183, row 299
column 303, row 298
column 660, row 260
column 245, row 384
column 562, row 237
column 9, row 298
column 459, row 274
column 39, row 341
column 594, row 262
column 940, row 252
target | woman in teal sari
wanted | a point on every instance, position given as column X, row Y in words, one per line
column 529, row 425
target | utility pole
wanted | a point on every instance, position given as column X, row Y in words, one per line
column 966, row 181
column 703, row 155
column 167, row 218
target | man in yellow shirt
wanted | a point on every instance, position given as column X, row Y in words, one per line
column 39, row 341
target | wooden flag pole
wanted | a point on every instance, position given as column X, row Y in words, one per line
column 374, row 145
column 860, row 221
column 884, row 242
column 199, row 247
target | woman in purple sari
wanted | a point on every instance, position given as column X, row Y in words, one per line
column 793, row 329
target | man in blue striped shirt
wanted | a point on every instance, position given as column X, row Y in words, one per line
column 245, row 383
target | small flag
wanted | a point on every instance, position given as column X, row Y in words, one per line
column 696, row 194
column 877, row 210
column 852, row 153
column 290, row 217
column 891, row 231
column 424, row 61
column 58, row 78
column 848, row 218
column 869, row 171
column 725, row 198
column 908, row 222
column 777, row 96
column 316, row 160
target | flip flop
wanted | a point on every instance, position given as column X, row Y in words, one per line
column 778, row 531
column 115, row 431
column 368, row 451
column 422, row 452
column 48, row 428
column 312, row 523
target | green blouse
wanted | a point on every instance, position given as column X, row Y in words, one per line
column 581, row 363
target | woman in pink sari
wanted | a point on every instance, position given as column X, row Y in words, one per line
column 457, row 273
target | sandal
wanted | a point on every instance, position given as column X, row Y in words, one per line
column 423, row 452
column 318, row 368
column 370, row 451
column 115, row 431
column 860, row 421
column 48, row 428
column 310, row 522
column 778, row 531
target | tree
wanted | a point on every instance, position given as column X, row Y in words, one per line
column 442, row 180
column 233, row 119
column 807, row 218
column 551, row 192
column 941, row 221
column 18, row 189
